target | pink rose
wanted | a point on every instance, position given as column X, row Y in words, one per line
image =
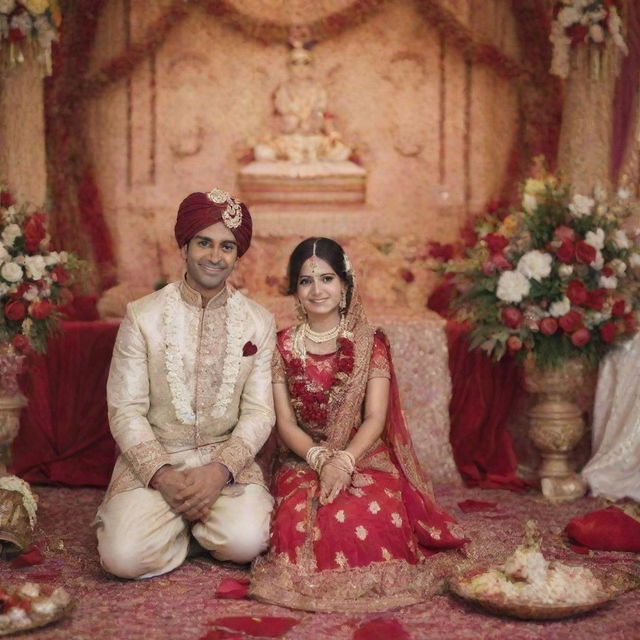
column 570, row 321
column 40, row 310
column 564, row 234
column 548, row 326
column 15, row 310
column 580, row 337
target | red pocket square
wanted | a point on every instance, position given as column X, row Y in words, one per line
column 249, row 349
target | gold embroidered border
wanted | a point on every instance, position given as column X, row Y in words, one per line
column 376, row 587
column 146, row 458
column 235, row 455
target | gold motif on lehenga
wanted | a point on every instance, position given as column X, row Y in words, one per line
column 361, row 532
column 434, row 532
column 300, row 527
column 356, row 491
column 385, row 554
column 374, row 507
column 341, row 560
column 339, row 516
column 300, row 506
column 316, row 534
column 396, row 519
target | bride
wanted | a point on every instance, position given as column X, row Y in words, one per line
column 356, row 527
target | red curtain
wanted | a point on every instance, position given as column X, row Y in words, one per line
column 64, row 434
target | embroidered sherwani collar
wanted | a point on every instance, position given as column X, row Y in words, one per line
column 192, row 297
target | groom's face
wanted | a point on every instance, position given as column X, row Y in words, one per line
column 210, row 257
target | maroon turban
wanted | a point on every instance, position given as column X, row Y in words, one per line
column 200, row 210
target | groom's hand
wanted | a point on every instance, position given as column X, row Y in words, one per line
column 202, row 488
column 170, row 483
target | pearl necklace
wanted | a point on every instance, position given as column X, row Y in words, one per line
column 321, row 336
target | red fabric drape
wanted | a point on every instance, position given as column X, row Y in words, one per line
column 64, row 434
column 482, row 397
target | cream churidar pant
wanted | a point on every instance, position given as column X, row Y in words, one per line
column 139, row 536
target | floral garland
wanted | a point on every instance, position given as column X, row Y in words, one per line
column 26, row 23
column 309, row 401
column 173, row 319
column 583, row 21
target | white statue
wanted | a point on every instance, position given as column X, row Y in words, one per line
column 306, row 133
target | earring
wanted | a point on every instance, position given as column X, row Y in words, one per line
column 300, row 310
column 343, row 299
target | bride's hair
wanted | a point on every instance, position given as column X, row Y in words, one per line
column 324, row 249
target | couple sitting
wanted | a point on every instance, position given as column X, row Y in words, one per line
column 196, row 371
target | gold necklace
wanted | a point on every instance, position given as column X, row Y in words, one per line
column 321, row 336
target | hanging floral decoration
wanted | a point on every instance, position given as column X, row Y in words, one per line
column 28, row 24
column 583, row 22
column 555, row 278
column 34, row 280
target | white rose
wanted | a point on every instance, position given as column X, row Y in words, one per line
column 560, row 308
column 535, row 265
column 568, row 16
column 11, row 272
column 595, row 238
column 512, row 286
column 620, row 239
column 4, row 254
column 565, row 271
column 529, row 203
column 4, row 289
column 30, row 294
column 64, row 256
column 619, row 266
column 598, row 261
column 36, row 267
column 10, row 233
column 52, row 259
column 581, row 205
column 634, row 260
column 608, row 282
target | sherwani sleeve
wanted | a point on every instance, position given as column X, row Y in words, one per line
column 256, row 415
column 128, row 401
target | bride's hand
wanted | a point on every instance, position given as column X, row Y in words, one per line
column 332, row 481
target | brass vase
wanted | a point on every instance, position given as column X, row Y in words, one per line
column 556, row 426
column 10, row 407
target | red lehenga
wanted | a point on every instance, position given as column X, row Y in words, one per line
column 375, row 547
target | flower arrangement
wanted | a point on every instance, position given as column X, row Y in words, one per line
column 34, row 281
column 583, row 21
column 554, row 279
column 25, row 23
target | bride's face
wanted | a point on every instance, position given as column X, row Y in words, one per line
column 319, row 288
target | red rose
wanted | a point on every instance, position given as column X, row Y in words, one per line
column 40, row 310
column 608, row 331
column 618, row 308
column 595, row 299
column 6, row 199
column 580, row 337
column 34, row 232
column 570, row 321
column 20, row 342
column 407, row 275
column 60, row 275
column 630, row 322
column 496, row 242
column 566, row 252
column 249, row 349
column 548, row 326
column 441, row 251
column 500, row 261
column 585, row 253
column 607, row 272
column 514, row 344
column 564, row 234
column 469, row 237
column 511, row 317
column 577, row 292
column 15, row 310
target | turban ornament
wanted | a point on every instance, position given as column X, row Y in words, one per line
column 200, row 210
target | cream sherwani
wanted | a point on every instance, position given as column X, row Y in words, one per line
column 188, row 385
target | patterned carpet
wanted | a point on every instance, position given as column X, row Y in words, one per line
column 183, row 604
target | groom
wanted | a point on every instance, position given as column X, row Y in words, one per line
column 190, row 405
